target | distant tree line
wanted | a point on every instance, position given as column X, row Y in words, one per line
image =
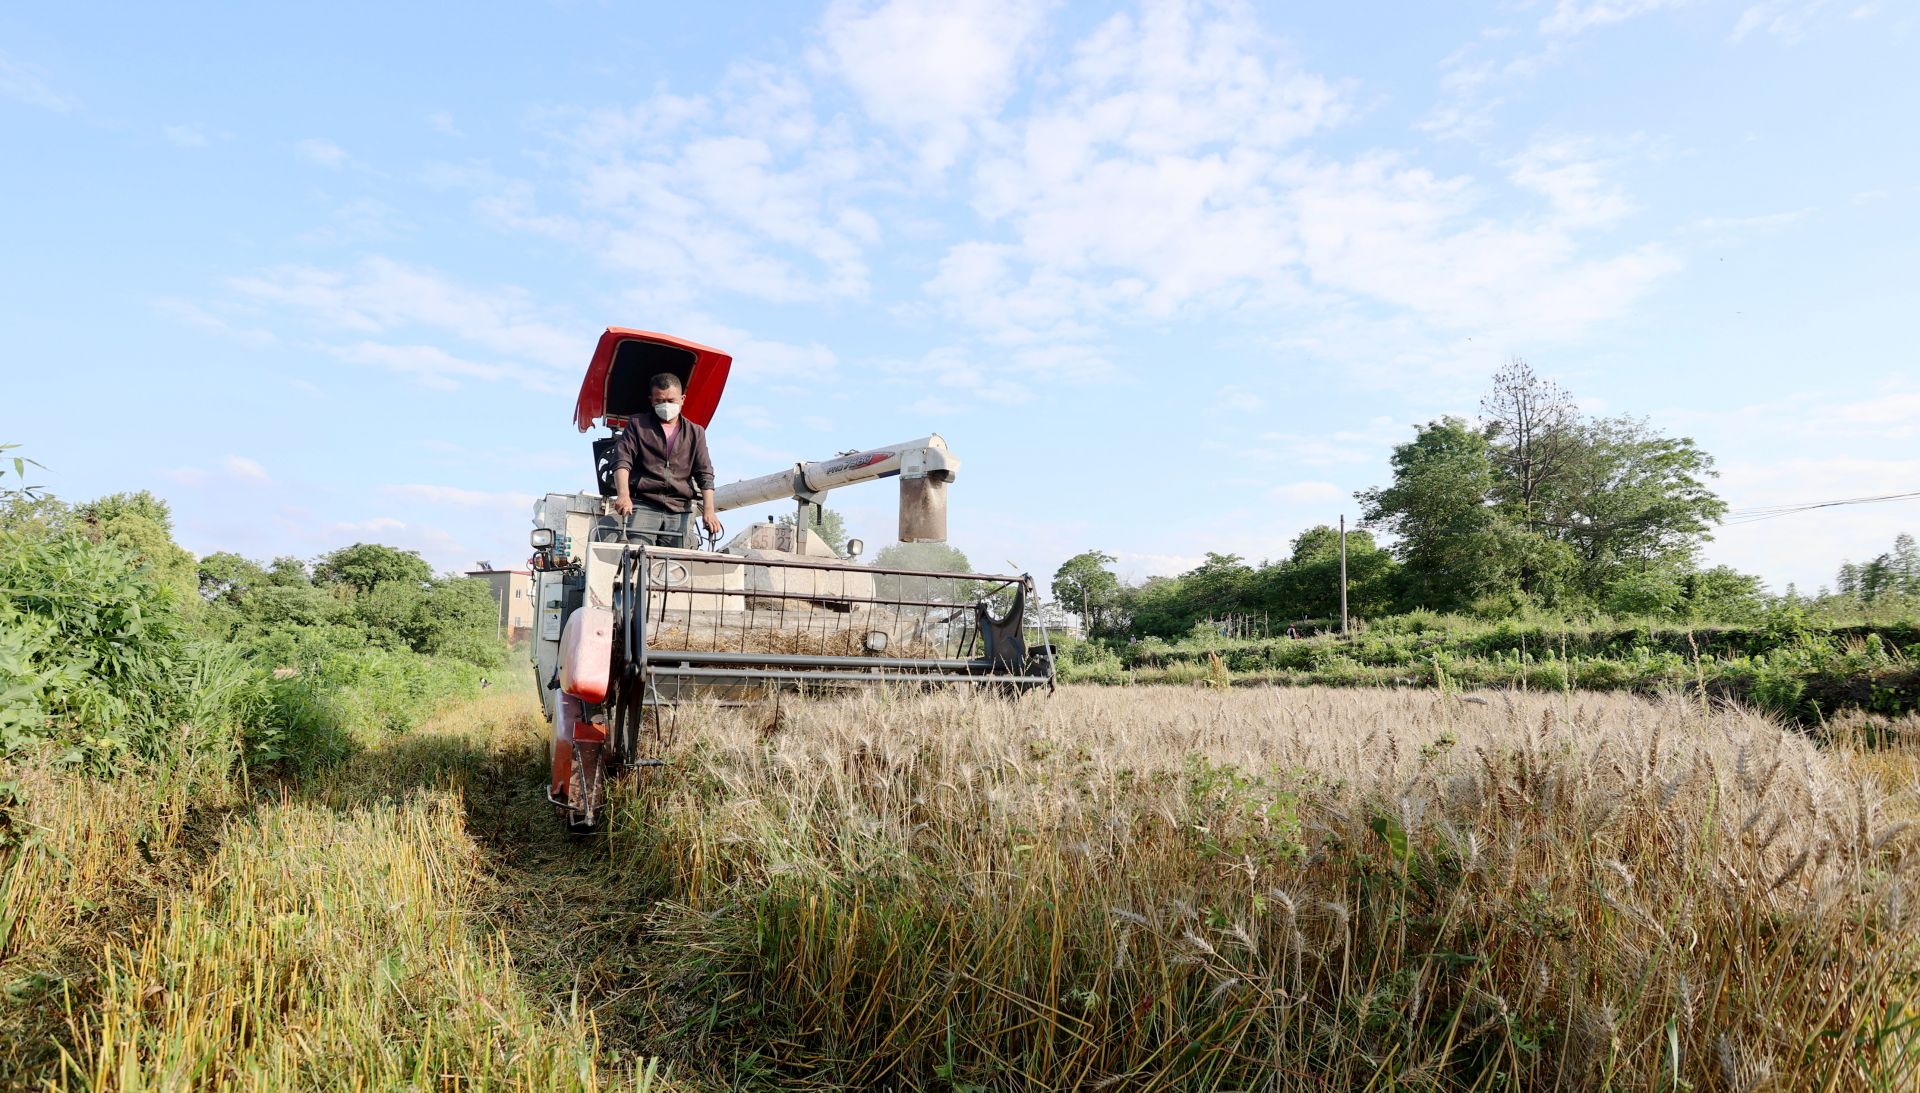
column 1535, row 507
column 1893, row 574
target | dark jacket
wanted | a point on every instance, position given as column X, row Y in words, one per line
column 659, row 476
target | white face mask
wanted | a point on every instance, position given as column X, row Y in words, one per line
column 666, row 411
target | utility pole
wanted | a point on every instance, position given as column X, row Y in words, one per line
column 1343, row 575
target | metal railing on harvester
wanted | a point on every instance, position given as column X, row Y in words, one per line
column 693, row 624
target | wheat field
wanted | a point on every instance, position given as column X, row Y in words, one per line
column 1292, row 889
column 1122, row 888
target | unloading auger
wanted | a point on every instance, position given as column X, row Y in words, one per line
column 627, row 630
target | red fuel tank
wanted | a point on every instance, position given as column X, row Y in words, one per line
column 586, row 654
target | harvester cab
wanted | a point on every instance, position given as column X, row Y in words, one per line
column 627, row 630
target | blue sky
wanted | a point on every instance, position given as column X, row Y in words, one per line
column 1168, row 277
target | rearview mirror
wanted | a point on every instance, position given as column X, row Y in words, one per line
column 855, row 548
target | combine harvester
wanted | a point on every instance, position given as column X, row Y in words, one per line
column 627, row 630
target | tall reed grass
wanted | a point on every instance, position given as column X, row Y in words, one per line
column 1283, row 889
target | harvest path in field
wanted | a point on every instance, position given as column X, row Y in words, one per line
column 576, row 926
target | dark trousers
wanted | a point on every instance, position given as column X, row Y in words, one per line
column 656, row 526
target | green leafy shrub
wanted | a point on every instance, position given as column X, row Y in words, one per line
column 99, row 660
column 321, row 711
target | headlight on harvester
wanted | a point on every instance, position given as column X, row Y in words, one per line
column 541, row 538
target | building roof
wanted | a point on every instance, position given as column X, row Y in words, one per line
column 487, row 570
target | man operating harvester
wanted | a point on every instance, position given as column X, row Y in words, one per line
column 658, row 464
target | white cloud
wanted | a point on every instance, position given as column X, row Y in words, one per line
column 1399, row 234
column 933, row 69
column 323, row 153
column 431, row 365
column 25, row 84
column 1731, row 225
column 1134, row 565
column 1167, row 124
column 749, row 417
column 234, row 468
column 440, row 547
column 954, row 369
column 192, row 314
column 1783, row 452
column 1181, row 124
column 1478, row 78
column 1579, row 16
column 933, row 408
column 361, row 220
column 374, row 526
column 239, row 466
column 1306, row 493
column 757, row 359
column 459, row 497
column 442, row 122
column 190, row 136
column 1885, row 418
column 1563, row 170
column 380, row 295
column 1789, row 20
column 1310, row 446
column 746, row 191
column 1239, row 398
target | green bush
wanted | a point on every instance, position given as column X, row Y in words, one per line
column 98, row 659
column 321, row 711
column 114, row 649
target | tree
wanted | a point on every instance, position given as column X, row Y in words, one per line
column 1085, row 586
column 286, row 571
column 227, row 576
column 364, row 565
column 1646, row 592
column 1904, row 565
column 460, row 618
column 1542, row 506
column 1307, row 584
column 1847, row 583
column 143, row 524
column 1725, row 594
column 1530, row 422
column 931, row 557
column 1220, row 586
column 829, row 525
column 1448, row 542
column 1633, row 500
column 1158, row 607
column 1895, row 573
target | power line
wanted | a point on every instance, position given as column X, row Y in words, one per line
column 1769, row 512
